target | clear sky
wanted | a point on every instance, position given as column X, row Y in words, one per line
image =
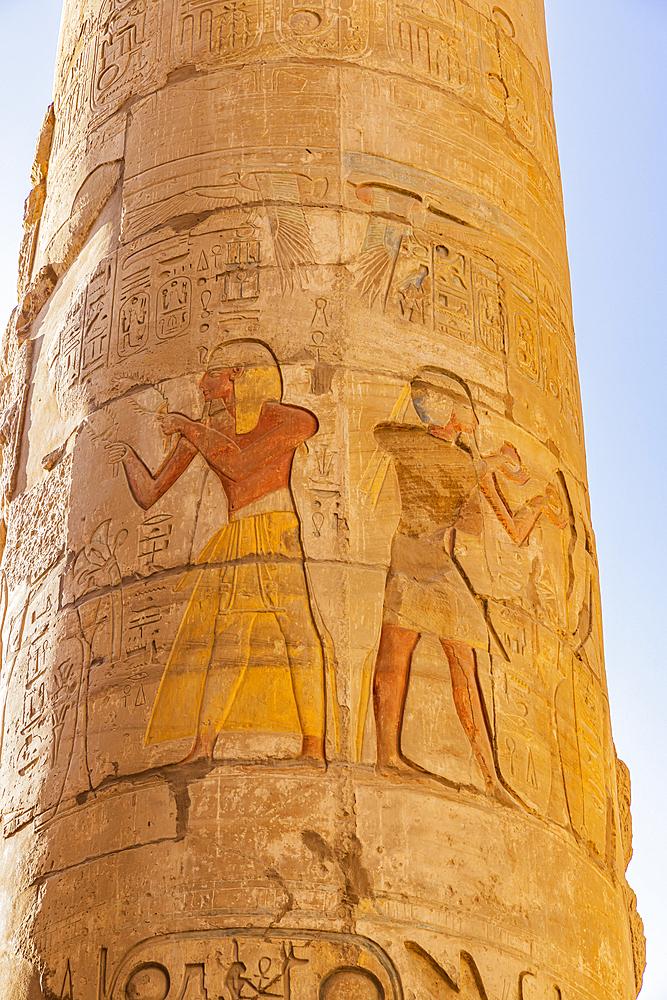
column 608, row 66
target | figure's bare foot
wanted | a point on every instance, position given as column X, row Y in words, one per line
column 200, row 751
column 396, row 766
column 312, row 749
column 500, row 794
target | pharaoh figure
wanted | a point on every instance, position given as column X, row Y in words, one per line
column 442, row 478
column 252, row 566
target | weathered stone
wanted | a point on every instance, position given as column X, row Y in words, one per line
column 302, row 675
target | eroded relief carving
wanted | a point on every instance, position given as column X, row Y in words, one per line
column 44, row 670
column 215, row 32
column 82, row 346
column 73, row 84
column 637, row 936
column 277, row 197
column 241, row 962
column 126, row 51
column 432, row 284
column 433, row 39
column 252, row 579
column 442, row 479
column 508, row 308
column 334, row 28
column 518, row 79
column 469, row 983
column 28, row 553
column 14, row 389
column 34, row 205
column 581, row 720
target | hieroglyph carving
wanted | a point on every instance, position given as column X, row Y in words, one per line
column 332, row 28
column 243, row 201
column 72, row 89
column 215, row 31
column 37, row 526
column 82, row 346
column 460, row 292
column 13, row 399
column 433, row 284
column 581, row 716
column 470, row 983
column 179, row 285
column 48, row 657
column 126, row 51
column 243, row 963
column 433, row 39
column 34, row 205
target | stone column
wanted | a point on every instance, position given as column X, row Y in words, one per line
column 302, row 678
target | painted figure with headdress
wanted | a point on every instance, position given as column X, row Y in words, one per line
column 253, row 566
column 441, row 478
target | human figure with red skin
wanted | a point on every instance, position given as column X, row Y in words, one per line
column 248, row 438
column 441, row 479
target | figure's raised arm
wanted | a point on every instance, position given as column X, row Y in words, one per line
column 288, row 427
column 519, row 524
column 145, row 487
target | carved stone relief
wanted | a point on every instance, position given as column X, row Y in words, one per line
column 434, row 41
column 34, row 205
column 299, row 606
column 127, row 48
column 338, row 30
column 506, row 307
column 216, row 32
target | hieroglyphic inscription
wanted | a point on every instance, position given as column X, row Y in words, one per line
column 471, row 984
column 326, row 27
column 210, row 31
column 509, row 80
column 126, row 51
column 167, row 288
column 13, row 400
column 518, row 77
column 524, row 327
column 40, row 713
column 509, row 309
column 442, row 287
column 250, row 201
column 34, row 205
column 83, row 343
column 581, row 714
column 241, row 964
column 432, row 39
column 154, row 537
column 523, row 697
column 452, row 292
column 72, row 85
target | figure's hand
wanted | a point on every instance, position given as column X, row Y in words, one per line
column 507, row 462
column 172, row 423
column 551, row 504
column 555, row 508
column 511, row 466
column 116, row 451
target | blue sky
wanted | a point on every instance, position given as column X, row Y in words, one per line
column 610, row 98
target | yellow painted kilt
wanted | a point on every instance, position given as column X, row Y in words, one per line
column 253, row 565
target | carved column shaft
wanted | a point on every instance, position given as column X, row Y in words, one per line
column 302, row 667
